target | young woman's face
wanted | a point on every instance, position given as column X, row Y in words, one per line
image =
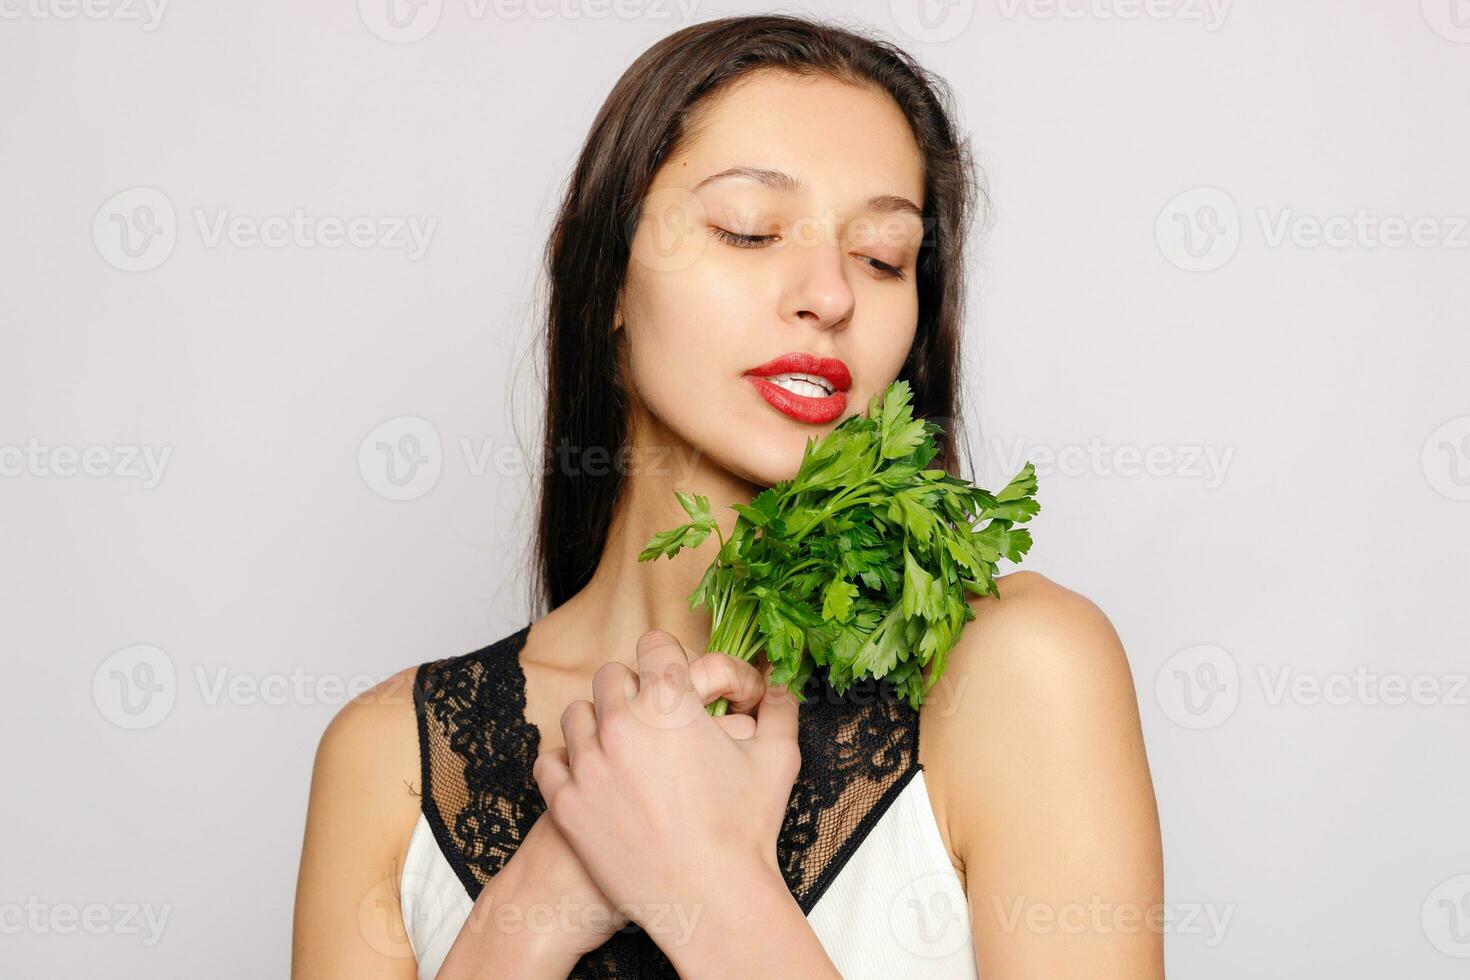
column 732, row 272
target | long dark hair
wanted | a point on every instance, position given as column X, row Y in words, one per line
column 640, row 125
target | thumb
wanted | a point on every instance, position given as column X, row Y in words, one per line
column 739, row 727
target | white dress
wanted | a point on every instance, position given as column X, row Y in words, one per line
column 873, row 875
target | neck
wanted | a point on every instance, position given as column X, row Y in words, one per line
column 627, row 597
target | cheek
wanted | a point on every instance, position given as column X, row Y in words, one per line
column 878, row 345
column 685, row 339
column 673, row 322
column 690, row 325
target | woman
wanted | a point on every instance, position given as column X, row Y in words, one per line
column 764, row 228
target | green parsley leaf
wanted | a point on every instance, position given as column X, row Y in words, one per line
column 860, row 564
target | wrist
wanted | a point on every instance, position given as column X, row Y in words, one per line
column 731, row 924
column 515, row 931
column 490, row 951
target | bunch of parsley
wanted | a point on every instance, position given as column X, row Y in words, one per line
column 860, row 563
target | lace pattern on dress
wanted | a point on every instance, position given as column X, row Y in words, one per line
column 477, row 749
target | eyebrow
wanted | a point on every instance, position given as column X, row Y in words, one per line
column 781, row 181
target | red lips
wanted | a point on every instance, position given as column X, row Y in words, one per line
column 800, row 362
column 804, row 408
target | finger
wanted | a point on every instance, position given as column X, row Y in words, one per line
column 612, row 686
column 578, row 728
column 552, row 771
column 663, row 669
column 737, row 726
column 719, row 675
column 776, row 716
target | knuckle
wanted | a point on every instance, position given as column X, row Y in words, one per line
column 570, row 712
column 543, row 767
column 740, row 675
column 720, row 667
column 617, row 728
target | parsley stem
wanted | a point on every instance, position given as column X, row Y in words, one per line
column 836, row 504
column 734, row 632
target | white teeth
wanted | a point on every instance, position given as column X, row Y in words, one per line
column 810, row 385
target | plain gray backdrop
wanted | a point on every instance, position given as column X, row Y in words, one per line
column 269, row 292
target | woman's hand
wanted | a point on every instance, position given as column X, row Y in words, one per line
column 668, row 808
column 545, row 893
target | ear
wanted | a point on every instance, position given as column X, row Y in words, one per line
column 617, row 317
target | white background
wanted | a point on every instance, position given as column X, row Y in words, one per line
column 1324, row 549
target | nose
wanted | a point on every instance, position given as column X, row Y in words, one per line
column 819, row 293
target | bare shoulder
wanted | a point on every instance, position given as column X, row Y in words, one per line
column 1042, row 787
column 373, row 738
column 363, row 806
column 1035, row 719
column 1037, row 639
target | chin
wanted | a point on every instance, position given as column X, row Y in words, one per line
column 769, row 453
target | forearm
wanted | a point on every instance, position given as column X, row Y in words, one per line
column 503, row 938
column 750, row 927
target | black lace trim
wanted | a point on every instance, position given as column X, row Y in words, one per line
column 859, row 751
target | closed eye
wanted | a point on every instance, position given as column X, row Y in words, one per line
column 741, row 241
column 883, row 268
column 758, row 241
